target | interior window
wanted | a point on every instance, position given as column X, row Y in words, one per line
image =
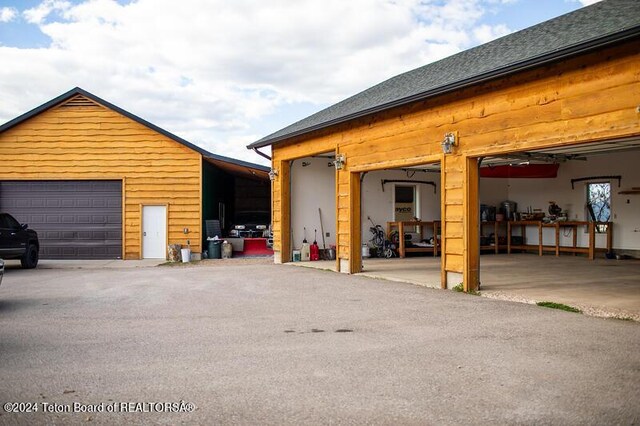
column 405, row 203
column 599, row 204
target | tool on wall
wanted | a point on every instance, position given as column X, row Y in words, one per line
column 618, row 178
column 323, row 253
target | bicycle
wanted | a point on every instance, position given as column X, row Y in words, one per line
column 384, row 247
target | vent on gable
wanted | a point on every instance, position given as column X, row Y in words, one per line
column 80, row 101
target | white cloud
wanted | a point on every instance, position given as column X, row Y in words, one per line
column 211, row 71
column 588, row 2
column 8, row 14
column 485, row 33
column 38, row 14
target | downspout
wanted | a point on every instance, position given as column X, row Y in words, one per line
column 479, row 225
column 261, row 154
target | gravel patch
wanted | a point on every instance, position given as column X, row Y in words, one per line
column 592, row 311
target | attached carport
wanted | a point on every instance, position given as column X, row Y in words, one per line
column 229, row 187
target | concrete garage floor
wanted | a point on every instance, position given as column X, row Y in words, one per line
column 600, row 287
column 255, row 343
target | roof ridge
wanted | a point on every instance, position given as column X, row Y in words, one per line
column 79, row 91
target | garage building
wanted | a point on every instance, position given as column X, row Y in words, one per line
column 97, row 182
column 560, row 92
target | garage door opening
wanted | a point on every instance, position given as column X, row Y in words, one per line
column 313, row 211
column 73, row 219
column 403, row 206
column 563, row 224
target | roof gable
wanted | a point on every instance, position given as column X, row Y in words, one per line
column 79, row 98
column 589, row 28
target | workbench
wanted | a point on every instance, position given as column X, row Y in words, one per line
column 590, row 250
column 400, row 226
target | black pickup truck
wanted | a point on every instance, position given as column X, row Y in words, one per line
column 18, row 242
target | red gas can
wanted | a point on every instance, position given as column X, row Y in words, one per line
column 315, row 251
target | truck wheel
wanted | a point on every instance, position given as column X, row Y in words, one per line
column 30, row 258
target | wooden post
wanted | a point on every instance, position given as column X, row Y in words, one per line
column 401, row 239
column 355, row 248
column 436, row 225
column 284, row 181
column 539, row 238
column 471, row 238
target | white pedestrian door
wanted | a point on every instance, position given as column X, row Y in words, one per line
column 154, row 232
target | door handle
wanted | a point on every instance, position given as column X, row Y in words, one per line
column 144, row 234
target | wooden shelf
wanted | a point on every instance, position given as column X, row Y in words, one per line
column 630, row 191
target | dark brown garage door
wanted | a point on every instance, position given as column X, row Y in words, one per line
column 74, row 219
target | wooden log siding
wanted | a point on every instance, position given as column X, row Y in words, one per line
column 588, row 98
column 84, row 140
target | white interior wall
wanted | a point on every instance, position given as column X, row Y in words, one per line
column 538, row 192
column 313, row 187
column 379, row 205
column 493, row 191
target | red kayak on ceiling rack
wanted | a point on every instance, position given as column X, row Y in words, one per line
column 530, row 171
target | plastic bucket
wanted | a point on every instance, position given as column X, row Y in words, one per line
column 296, row 256
column 365, row 251
column 227, row 250
column 331, row 254
column 186, row 255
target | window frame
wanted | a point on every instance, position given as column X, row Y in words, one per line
column 600, row 229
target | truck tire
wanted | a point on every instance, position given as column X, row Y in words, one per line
column 29, row 259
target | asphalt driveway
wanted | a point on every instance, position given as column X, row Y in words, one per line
column 256, row 343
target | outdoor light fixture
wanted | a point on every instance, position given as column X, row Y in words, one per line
column 448, row 143
column 340, row 161
column 273, row 173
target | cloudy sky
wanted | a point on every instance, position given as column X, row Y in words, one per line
column 224, row 73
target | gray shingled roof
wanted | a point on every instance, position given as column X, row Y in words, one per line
column 589, row 28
